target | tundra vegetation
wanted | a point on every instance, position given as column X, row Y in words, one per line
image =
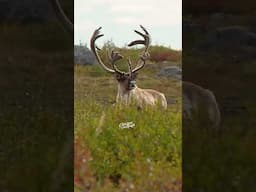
column 35, row 105
column 224, row 160
column 146, row 157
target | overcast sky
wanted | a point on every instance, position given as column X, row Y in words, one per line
column 118, row 19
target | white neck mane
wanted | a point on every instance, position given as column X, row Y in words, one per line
column 124, row 95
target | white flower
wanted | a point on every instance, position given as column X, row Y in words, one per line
column 126, row 125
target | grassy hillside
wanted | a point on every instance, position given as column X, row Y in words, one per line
column 223, row 161
column 36, row 102
column 146, row 157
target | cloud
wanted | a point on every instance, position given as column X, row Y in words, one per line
column 160, row 12
column 121, row 9
column 126, row 20
column 157, row 15
column 82, row 29
column 84, row 25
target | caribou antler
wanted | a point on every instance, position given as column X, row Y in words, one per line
column 145, row 55
column 129, row 66
column 94, row 49
column 127, row 89
column 69, row 26
column 113, row 57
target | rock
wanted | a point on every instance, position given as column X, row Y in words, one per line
column 191, row 26
column 231, row 39
column 171, row 71
column 82, row 55
column 238, row 34
column 26, row 11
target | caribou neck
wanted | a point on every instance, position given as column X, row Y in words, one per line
column 124, row 95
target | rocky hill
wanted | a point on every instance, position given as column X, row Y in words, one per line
column 25, row 11
column 83, row 55
column 31, row 11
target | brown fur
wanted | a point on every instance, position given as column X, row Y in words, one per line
column 196, row 99
column 140, row 96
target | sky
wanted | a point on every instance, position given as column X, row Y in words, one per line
column 118, row 19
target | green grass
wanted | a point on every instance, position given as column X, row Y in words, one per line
column 145, row 157
column 225, row 160
column 157, row 54
column 215, row 161
column 35, row 107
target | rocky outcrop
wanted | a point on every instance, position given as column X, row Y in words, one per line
column 25, row 11
column 83, row 56
column 229, row 40
column 171, row 71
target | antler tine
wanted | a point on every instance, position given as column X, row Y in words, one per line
column 145, row 55
column 144, row 29
column 113, row 57
column 140, row 66
column 130, row 66
column 146, row 37
column 96, row 35
column 69, row 26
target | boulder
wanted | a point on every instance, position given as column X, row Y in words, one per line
column 83, row 56
column 229, row 40
column 171, row 71
column 26, row 11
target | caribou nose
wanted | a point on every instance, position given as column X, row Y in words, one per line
column 132, row 84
